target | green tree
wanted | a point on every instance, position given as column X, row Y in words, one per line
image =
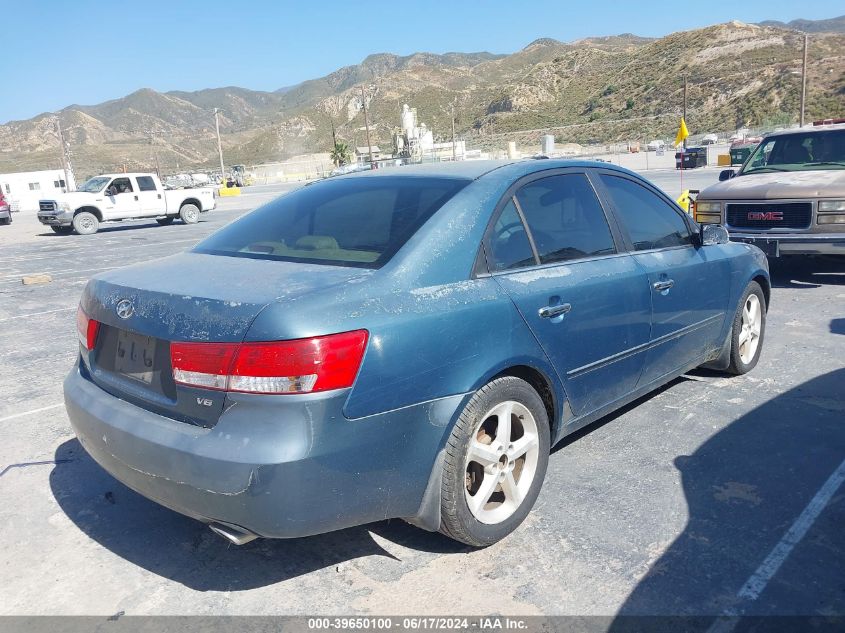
column 341, row 154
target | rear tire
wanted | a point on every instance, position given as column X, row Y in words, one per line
column 86, row 223
column 492, row 473
column 748, row 329
column 165, row 221
column 62, row 230
column 189, row 213
column 6, row 221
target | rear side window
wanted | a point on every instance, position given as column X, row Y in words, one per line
column 565, row 218
column 509, row 246
column 650, row 221
column 347, row 222
column 146, row 183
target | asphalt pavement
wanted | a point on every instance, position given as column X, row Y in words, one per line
column 705, row 498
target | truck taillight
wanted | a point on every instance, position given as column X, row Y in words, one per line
column 277, row 367
column 87, row 329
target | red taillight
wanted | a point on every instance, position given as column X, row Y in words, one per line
column 299, row 366
column 87, row 329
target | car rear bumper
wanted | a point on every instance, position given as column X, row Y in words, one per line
column 776, row 245
column 274, row 466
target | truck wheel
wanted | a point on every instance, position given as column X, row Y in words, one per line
column 62, row 230
column 495, row 462
column 189, row 213
column 85, row 223
column 165, row 221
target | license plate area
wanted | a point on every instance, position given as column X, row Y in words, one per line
column 770, row 248
column 135, row 356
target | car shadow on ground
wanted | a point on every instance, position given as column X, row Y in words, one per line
column 186, row 551
column 744, row 488
column 807, row 271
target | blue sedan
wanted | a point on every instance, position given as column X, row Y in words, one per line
column 402, row 343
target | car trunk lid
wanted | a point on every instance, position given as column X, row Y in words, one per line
column 187, row 297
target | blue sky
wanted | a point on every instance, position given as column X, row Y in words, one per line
column 59, row 52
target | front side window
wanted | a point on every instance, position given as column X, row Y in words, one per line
column 34, row 186
column 345, row 222
column 650, row 221
column 120, row 185
column 146, row 183
column 509, row 245
column 565, row 218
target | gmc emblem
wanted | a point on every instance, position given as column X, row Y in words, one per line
column 768, row 216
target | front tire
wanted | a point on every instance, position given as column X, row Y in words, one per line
column 189, row 213
column 86, row 223
column 495, row 462
column 749, row 326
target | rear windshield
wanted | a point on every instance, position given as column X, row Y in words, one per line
column 345, row 222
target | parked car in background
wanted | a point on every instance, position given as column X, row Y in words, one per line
column 789, row 195
column 655, row 145
column 709, row 139
column 402, row 343
column 115, row 197
column 350, row 168
column 5, row 210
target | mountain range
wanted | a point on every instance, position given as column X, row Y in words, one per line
column 599, row 89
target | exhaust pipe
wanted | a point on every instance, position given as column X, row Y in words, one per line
column 238, row 536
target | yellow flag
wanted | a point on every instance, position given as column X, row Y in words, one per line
column 683, row 132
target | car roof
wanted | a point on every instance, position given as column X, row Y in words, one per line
column 808, row 129
column 474, row 169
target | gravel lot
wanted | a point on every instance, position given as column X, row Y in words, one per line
column 670, row 506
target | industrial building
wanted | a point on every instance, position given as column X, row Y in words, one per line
column 24, row 189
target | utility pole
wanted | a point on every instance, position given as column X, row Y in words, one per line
column 804, row 80
column 334, row 137
column 62, row 152
column 685, row 108
column 454, row 152
column 154, row 152
column 367, row 124
column 219, row 146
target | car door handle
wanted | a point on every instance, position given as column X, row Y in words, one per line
column 549, row 312
column 136, row 197
column 660, row 286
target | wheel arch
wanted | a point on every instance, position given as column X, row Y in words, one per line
column 765, row 285
column 89, row 209
column 193, row 201
column 544, row 387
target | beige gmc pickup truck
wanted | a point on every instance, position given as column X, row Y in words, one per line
column 788, row 197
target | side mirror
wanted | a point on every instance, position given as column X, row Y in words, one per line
column 726, row 174
column 712, row 234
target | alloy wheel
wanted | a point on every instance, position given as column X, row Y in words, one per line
column 749, row 335
column 501, row 462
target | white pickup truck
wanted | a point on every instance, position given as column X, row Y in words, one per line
column 114, row 197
